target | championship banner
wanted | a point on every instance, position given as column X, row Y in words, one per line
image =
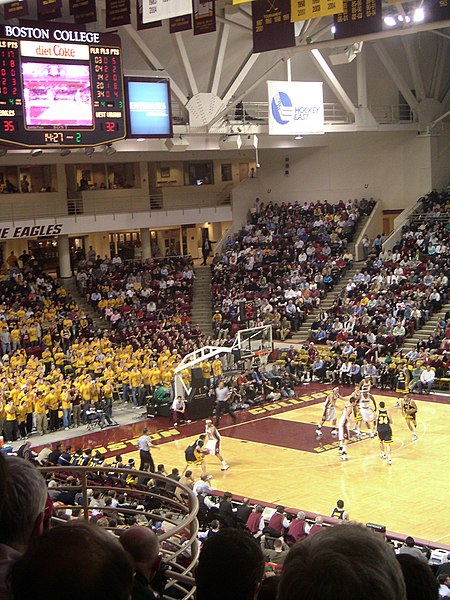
column 436, row 10
column 139, row 23
column 83, row 11
column 204, row 17
column 313, row 9
column 240, row 1
column 295, row 107
column 359, row 17
column 14, row 10
column 183, row 23
column 156, row 10
column 118, row 12
column 272, row 27
column 49, row 9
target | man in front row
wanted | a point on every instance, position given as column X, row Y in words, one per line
column 142, row 546
column 322, row 567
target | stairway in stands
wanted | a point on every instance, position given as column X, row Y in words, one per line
column 426, row 330
column 201, row 313
column 72, row 289
column 327, row 302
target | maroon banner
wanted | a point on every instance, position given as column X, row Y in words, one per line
column 359, row 17
column 272, row 27
column 49, row 9
column 140, row 24
column 183, row 23
column 118, row 12
column 83, row 11
column 436, row 10
column 15, row 9
column 204, row 17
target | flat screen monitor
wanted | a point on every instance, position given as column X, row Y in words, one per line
column 148, row 108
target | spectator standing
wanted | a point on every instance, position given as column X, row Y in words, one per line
column 145, row 444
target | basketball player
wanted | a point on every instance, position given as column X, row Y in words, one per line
column 384, row 430
column 195, row 455
column 409, row 411
column 368, row 409
column 401, row 383
column 344, row 431
column 366, row 384
column 214, row 438
column 329, row 411
column 355, row 418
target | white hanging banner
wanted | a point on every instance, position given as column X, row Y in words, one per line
column 158, row 10
column 295, row 107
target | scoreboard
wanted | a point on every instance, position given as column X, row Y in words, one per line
column 60, row 86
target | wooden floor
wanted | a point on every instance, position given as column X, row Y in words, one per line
column 287, row 464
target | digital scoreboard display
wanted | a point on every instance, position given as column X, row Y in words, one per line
column 60, row 86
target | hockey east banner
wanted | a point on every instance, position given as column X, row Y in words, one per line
column 295, row 107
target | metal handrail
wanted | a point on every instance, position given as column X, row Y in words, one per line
column 179, row 576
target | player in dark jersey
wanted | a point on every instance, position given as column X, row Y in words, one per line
column 409, row 411
column 384, row 430
column 402, row 378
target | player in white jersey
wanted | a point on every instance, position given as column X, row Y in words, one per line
column 329, row 411
column 367, row 410
column 213, row 443
column 344, row 431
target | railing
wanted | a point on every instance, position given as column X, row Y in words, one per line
column 179, row 546
column 32, row 207
column 334, row 113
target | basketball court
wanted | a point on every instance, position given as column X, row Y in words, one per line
column 275, row 456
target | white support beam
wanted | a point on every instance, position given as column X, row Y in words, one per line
column 333, row 82
column 414, row 68
column 152, row 60
column 446, row 99
column 218, row 67
column 225, row 21
column 439, row 68
column 186, row 64
column 361, row 79
column 240, row 75
column 396, row 76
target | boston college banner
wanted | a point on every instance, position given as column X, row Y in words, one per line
column 204, row 17
column 359, row 17
column 48, row 9
column 118, row 12
column 313, row 9
column 183, row 23
column 83, row 11
column 15, row 9
column 156, row 10
column 272, row 27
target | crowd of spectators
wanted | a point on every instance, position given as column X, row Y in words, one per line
column 245, row 552
column 279, row 266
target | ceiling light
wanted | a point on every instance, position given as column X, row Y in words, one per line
column 65, row 152
column 400, row 18
column 389, row 21
column 408, row 19
column 89, row 151
column 140, row 139
column 333, row 29
column 109, row 149
column 298, row 137
column 3, row 151
column 419, row 15
column 36, row 152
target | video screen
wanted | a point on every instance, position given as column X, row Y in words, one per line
column 148, row 108
column 57, row 95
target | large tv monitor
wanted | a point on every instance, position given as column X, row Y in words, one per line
column 148, row 108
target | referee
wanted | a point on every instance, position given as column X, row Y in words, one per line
column 144, row 444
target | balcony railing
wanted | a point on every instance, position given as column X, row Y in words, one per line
column 179, row 546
